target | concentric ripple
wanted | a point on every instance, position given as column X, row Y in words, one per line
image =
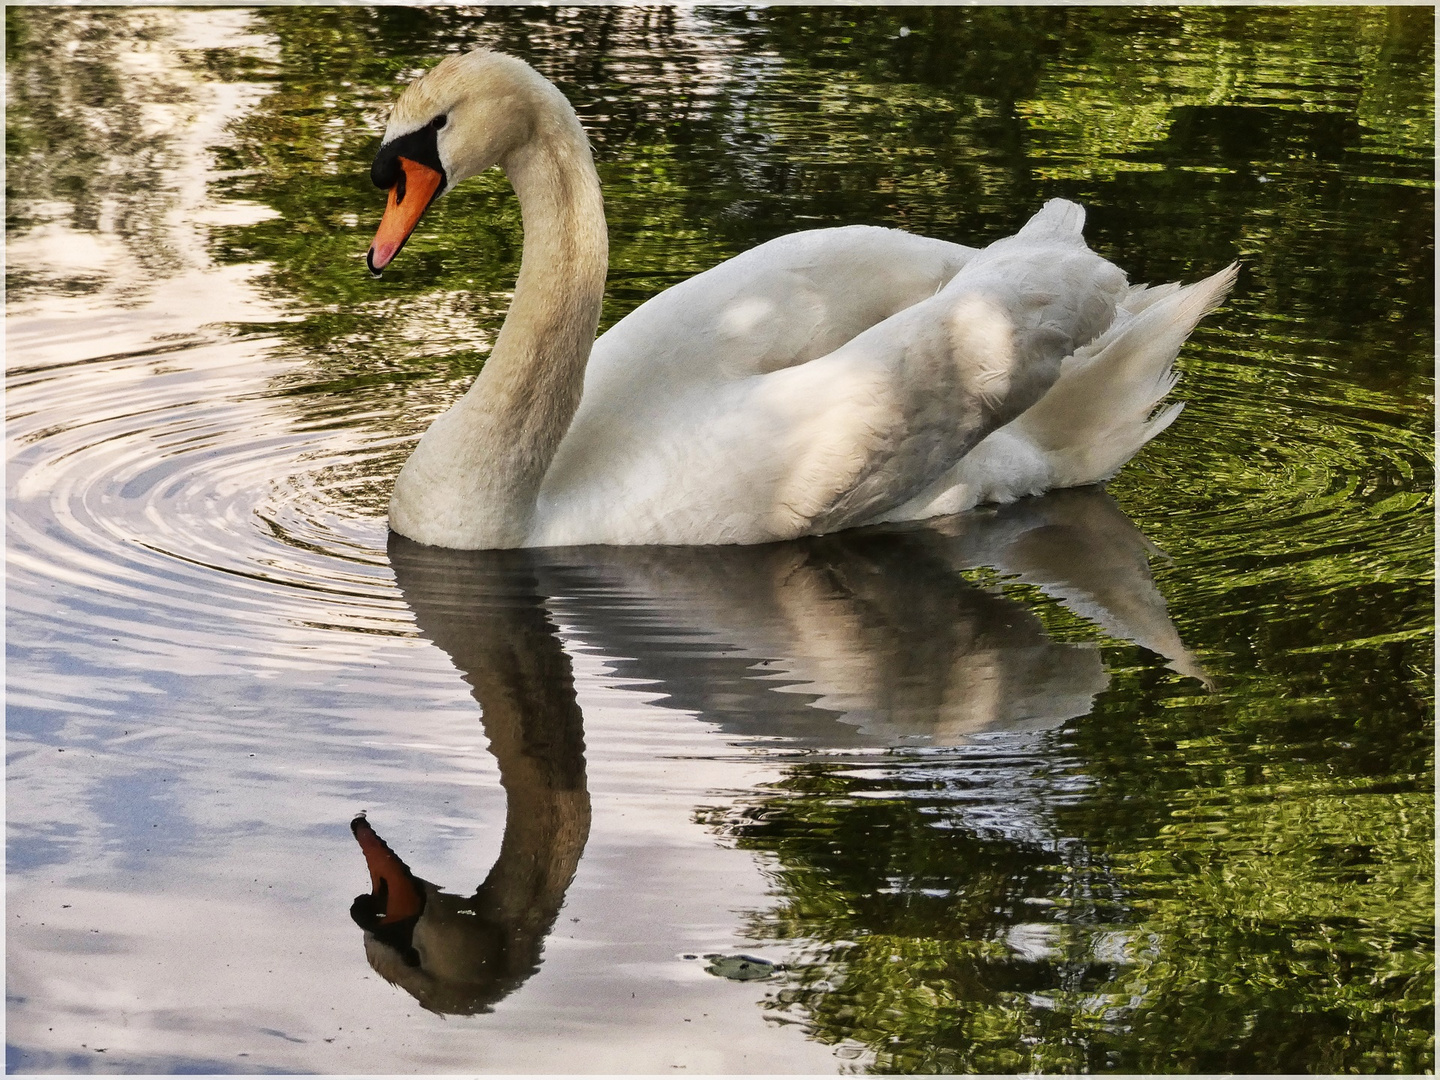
column 171, row 494
column 1283, row 472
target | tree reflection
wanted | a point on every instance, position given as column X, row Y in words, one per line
column 77, row 142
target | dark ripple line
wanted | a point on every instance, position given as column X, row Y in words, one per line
column 134, row 354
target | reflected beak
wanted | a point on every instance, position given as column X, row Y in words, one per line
column 395, row 894
column 409, row 198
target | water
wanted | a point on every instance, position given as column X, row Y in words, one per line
column 1137, row 780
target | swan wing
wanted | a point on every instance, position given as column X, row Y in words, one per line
column 1102, row 409
column 841, row 439
column 921, row 390
column 785, row 302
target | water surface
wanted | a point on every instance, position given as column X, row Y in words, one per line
column 1136, row 779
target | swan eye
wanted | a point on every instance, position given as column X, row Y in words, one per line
column 439, row 122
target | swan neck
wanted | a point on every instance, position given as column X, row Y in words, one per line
column 556, row 306
column 531, row 384
column 474, row 479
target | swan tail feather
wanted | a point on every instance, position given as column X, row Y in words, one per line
column 1101, row 410
column 1057, row 219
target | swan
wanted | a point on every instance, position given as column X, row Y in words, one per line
column 823, row 380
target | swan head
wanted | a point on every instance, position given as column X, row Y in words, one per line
column 452, row 953
column 469, row 112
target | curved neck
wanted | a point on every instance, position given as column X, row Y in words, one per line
column 475, row 476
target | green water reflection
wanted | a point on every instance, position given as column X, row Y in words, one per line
column 1179, row 881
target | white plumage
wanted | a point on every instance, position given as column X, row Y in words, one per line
column 820, row 381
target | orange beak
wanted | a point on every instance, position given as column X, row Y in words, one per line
column 409, row 198
column 393, row 886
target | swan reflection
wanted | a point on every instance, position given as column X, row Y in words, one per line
column 864, row 638
column 461, row 954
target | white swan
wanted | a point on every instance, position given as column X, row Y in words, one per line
column 823, row 380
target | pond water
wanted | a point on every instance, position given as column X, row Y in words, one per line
column 1136, row 779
